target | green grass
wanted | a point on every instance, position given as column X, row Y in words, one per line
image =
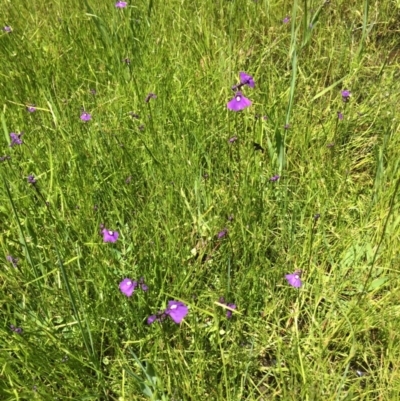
column 335, row 338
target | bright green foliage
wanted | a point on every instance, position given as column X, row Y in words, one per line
column 168, row 182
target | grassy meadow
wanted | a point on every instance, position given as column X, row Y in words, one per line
column 116, row 119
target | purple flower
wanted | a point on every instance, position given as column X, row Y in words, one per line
column 12, row 260
column 143, row 285
column 109, row 236
column 121, row 4
column 31, row 108
column 127, row 60
column 17, row 330
column 127, row 286
column 286, row 126
column 86, row 116
column 286, row 20
column 15, row 139
column 31, row 179
column 230, row 217
column 229, row 312
column 294, row 279
column 151, row 319
column 7, row 29
column 340, row 115
column 246, row 79
column 233, row 139
column 275, row 178
column 222, row 233
column 346, row 95
column 151, row 95
column 134, row 115
column 317, row 216
column 239, row 102
column 176, row 311
column 232, row 306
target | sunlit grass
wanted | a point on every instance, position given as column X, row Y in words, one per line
column 165, row 176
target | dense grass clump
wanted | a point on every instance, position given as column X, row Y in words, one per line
column 127, row 183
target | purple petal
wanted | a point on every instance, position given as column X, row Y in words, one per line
column 127, row 286
column 109, row 236
column 177, row 311
column 294, row 279
column 246, row 79
column 239, row 102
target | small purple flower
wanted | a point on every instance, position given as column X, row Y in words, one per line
column 143, row 285
column 294, row 279
column 346, row 95
column 86, row 116
column 340, row 115
column 151, row 95
column 121, row 4
column 229, row 312
column 141, row 127
column 230, row 217
column 127, row 60
column 222, row 233
column 16, row 139
column 286, row 126
column 31, row 179
column 239, row 102
column 233, row 139
column 12, row 260
column 176, row 311
column 151, row 319
column 31, row 108
column 317, row 216
column 275, row 178
column 134, row 115
column 127, row 286
column 232, row 306
column 109, row 236
column 17, row 330
column 246, row 79
column 7, row 29
column 286, row 20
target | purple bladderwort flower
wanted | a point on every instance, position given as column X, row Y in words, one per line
column 109, row 236
column 86, row 116
column 17, row 330
column 141, row 127
column 286, row 20
column 239, row 102
column 275, row 178
column 127, row 286
column 294, row 279
column 246, row 79
column 151, row 95
column 340, row 115
column 222, row 233
column 31, row 108
column 121, row 4
column 134, row 115
column 317, row 216
column 143, row 285
column 151, row 319
column 231, row 306
column 286, row 126
column 345, row 95
column 126, row 60
column 176, row 310
column 16, row 139
column 230, row 217
column 7, row 29
column 31, row 179
column 5, row 157
column 12, row 260
column 233, row 139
